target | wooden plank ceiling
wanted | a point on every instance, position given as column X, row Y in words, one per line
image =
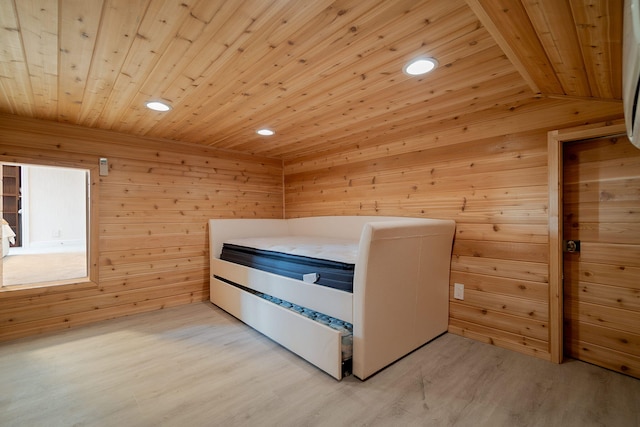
column 316, row 72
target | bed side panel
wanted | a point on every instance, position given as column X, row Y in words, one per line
column 401, row 288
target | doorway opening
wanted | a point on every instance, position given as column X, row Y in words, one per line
column 45, row 216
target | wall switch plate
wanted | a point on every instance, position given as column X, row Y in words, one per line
column 104, row 167
column 458, row 291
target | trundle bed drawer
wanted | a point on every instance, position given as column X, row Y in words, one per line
column 313, row 341
column 334, row 302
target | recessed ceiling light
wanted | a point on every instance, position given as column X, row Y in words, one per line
column 265, row 132
column 158, row 106
column 420, row 66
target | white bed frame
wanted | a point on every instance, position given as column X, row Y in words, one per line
column 400, row 298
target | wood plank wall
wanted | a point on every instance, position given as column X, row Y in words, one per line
column 153, row 212
column 495, row 187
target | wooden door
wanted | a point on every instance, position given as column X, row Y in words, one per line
column 601, row 208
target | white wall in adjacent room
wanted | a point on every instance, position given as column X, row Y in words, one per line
column 54, row 207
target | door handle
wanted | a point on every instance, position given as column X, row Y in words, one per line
column 571, row 246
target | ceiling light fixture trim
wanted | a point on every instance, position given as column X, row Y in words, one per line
column 157, row 106
column 265, row 132
column 420, row 66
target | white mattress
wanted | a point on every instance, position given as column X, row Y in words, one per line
column 341, row 250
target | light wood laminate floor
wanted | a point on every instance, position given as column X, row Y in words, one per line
column 23, row 269
column 197, row 366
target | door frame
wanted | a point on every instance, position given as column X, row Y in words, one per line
column 555, row 143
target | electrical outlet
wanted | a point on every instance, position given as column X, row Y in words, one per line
column 458, row 291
